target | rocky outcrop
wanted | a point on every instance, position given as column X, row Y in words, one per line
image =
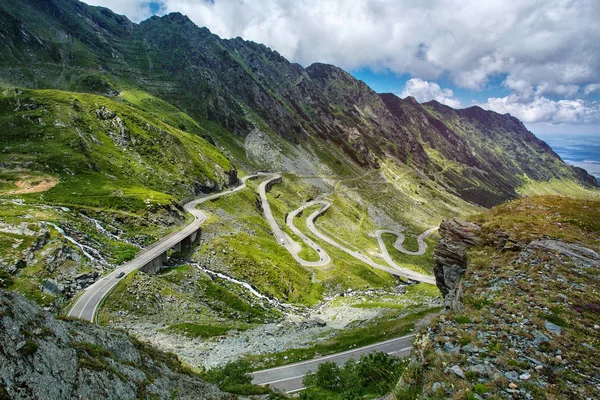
column 115, row 126
column 577, row 253
column 45, row 358
column 450, row 258
column 528, row 326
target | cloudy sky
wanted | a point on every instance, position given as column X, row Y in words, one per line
column 536, row 59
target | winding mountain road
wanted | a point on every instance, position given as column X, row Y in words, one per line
column 289, row 377
column 282, row 238
column 324, row 258
column 395, row 270
column 86, row 306
column 398, row 243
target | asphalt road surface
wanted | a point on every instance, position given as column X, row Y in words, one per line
column 395, row 270
column 400, row 240
column 86, row 306
column 289, row 377
column 281, row 237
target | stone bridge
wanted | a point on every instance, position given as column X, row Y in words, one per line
column 158, row 262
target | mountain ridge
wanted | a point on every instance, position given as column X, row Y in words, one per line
column 243, row 86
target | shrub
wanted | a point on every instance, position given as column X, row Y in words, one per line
column 29, row 348
column 464, row 340
column 374, row 374
column 480, row 388
column 493, row 346
column 234, row 378
column 195, row 330
column 462, row 319
column 6, row 279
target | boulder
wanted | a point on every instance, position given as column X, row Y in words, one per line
column 52, row 287
column 576, row 252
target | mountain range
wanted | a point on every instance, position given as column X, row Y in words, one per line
column 108, row 128
column 236, row 90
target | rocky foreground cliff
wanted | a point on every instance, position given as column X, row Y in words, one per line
column 523, row 305
column 45, row 358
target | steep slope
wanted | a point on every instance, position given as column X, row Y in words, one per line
column 41, row 357
column 87, row 181
column 482, row 156
column 103, row 152
column 520, row 284
column 246, row 88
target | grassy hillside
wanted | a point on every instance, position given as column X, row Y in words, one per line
column 103, row 170
column 529, row 324
column 101, row 152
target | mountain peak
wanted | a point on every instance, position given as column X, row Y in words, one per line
column 411, row 100
column 178, row 17
column 321, row 70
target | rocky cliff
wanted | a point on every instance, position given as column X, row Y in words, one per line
column 522, row 321
column 45, row 358
column 450, row 258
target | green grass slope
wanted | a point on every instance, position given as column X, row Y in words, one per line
column 102, row 152
column 531, row 315
column 72, row 158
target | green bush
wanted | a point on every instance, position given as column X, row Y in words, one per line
column 29, row 348
column 374, row 374
column 195, row 330
column 6, row 279
column 464, row 340
column 480, row 388
column 462, row 319
column 407, row 392
column 234, row 378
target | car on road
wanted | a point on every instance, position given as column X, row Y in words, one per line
column 120, row 275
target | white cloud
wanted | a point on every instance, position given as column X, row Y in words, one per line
column 540, row 109
column 425, row 91
column 548, row 88
column 542, row 42
column 519, row 86
column 592, row 88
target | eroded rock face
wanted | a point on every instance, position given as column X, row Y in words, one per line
column 450, row 258
column 44, row 358
column 116, row 126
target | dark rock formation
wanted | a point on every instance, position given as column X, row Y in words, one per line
column 44, row 358
column 450, row 258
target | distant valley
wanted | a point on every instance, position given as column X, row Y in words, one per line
column 582, row 150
